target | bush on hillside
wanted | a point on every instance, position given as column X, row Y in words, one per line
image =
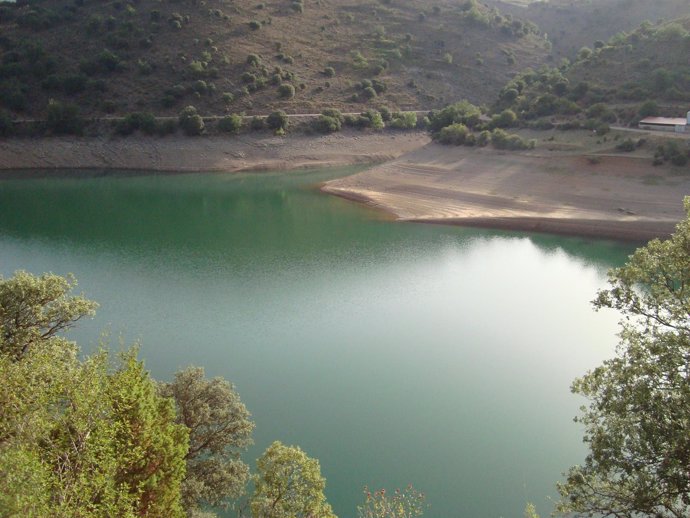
column 230, row 123
column 278, row 121
column 286, row 91
column 144, row 122
column 505, row 119
column 64, row 119
column 6, row 124
column 455, row 134
column 648, row 109
column 190, row 121
column 403, row 120
column 257, row 123
column 627, row 145
column 330, row 121
column 462, row 112
column 502, row 140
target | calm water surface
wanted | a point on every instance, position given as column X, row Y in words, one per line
column 394, row 353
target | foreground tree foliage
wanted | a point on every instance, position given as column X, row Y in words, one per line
column 78, row 437
column 405, row 503
column 638, row 422
column 34, row 309
column 220, row 428
column 288, row 484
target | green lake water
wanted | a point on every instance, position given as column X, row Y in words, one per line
column 394, row 353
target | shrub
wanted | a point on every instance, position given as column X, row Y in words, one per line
column 166, row 127
column 328, row 124
column 253, row 60
column 627, row 145
column 254, row 25
column 108, row 61
column 286, row 91
column 144, row 122
column 648, row 109
column 455, row 134
column 484, row 138
column 257, row 123
column 74, row 83
column 248, row 77
column 6, row 124
column 278, row 121
column 63, row 118
column 385, row 113
column 502, row 140
column 228, row 98
column 379, row 86
column 602, row 112
column 461, row 112
column 679, row 160
column 230, row 124
column 329, row 71
column 334, row 113
column 403, row 120
column 190, row 121
column 369, row 93
column 372, row 119
column 505, row 119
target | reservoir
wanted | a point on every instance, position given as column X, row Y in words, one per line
column 394, row 353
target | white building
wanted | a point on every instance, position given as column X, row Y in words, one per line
column 679, row 125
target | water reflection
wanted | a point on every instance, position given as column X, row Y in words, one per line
column 395, row 353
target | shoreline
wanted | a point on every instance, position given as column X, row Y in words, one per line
column 632, row 232
column 411, row 179
column 619, row 197
column 89, row 156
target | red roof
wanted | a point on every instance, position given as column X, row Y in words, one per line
column 666, row 121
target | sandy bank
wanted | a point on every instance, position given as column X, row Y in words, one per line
column 620, row 197
column 183, row 154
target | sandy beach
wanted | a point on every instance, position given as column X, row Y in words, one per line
column 557, row 188
column 613, row 196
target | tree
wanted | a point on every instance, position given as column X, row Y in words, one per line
column 190, row 121
column 637, row 424
column 286, row 91
column 34, row 309
column 288, row 484
column 220, row 427
column 406, row 503
column 152, row 446
column 462, row 112
column 78, row 437
column 230, row 123
column 278, row 121
column 63, row 118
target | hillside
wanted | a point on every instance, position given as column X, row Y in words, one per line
column 116, row 57
column 651, row 62
column 645, row 72
column 573, row 24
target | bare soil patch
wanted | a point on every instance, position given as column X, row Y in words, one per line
column 31, row 157
column 536, row 191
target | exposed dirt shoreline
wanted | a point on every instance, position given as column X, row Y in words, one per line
column 615, row 196
column 556, row 190
column 23, row 158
